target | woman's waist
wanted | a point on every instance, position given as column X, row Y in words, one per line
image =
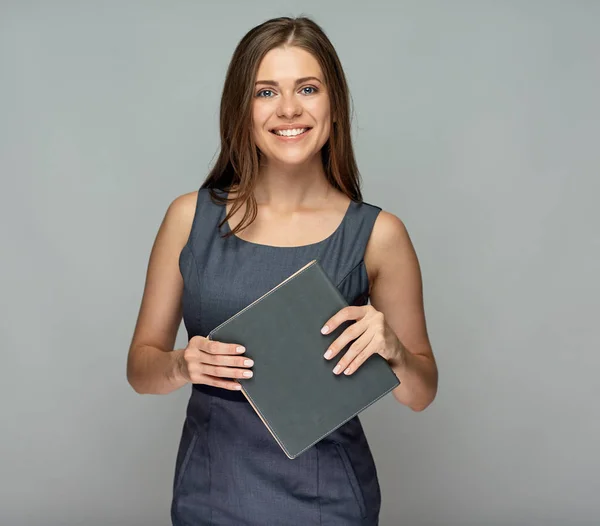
column 233, row 409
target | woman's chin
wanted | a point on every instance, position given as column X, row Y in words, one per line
column 294, row 160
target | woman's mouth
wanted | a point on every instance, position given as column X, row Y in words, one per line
column 291, row 133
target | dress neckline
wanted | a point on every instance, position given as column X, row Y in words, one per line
column 279, row 247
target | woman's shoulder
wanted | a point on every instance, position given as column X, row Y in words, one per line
column 388, row 228
column 180, row 215
column 389, row 238
column 183, row 207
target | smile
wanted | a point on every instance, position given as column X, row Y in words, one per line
column 293, row 132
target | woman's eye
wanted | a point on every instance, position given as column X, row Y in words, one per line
column 309, row 90
column 264, row 93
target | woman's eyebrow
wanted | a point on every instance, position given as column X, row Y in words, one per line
column 298, row 81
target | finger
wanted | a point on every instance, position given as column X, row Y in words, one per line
column 359, row 360
column 196, row 341
column 219, row 382
column 353, row 351
column 351, row 333
column 215, row 347
column 226, row 372
column 226, row 360
column 345, row 314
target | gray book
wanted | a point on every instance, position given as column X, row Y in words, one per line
column 293, row 389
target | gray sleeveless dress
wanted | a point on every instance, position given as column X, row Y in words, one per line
column 229, row 469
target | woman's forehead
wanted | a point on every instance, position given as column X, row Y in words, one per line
column 287, row 64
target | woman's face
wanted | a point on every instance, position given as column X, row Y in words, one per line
column 290, row 109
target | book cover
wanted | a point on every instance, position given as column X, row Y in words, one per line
column 293, row 389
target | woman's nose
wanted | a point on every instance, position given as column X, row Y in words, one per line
column 289, row 107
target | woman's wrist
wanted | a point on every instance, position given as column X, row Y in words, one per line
column 177, row 374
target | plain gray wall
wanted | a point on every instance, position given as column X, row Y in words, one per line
column 477, row 123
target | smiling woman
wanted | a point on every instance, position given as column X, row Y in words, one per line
column 301, row 101
column 286, row 177
column 284, row 75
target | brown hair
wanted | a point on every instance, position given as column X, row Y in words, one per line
column 238, row 160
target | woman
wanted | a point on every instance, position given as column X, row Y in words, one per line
column 284, row 190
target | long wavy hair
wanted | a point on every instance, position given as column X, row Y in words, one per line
column 239, row 157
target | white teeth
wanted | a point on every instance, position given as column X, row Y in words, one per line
column 290, row 133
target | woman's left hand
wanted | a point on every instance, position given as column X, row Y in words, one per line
column 371, row 333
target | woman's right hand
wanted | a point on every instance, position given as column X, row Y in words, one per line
column 209, row 362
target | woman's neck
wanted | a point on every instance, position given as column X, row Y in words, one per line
column 290, row 187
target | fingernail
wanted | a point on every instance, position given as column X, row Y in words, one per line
column 337, row 369
column 328, row 354
column 248, row 362
column 240, row 349
column 347, row 371
column 247, row 374
column 238, row 387
column 325, row 329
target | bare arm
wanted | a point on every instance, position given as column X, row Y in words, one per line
column 152, row 364
column 397, row 293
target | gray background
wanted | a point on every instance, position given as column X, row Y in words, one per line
column 476, row 122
